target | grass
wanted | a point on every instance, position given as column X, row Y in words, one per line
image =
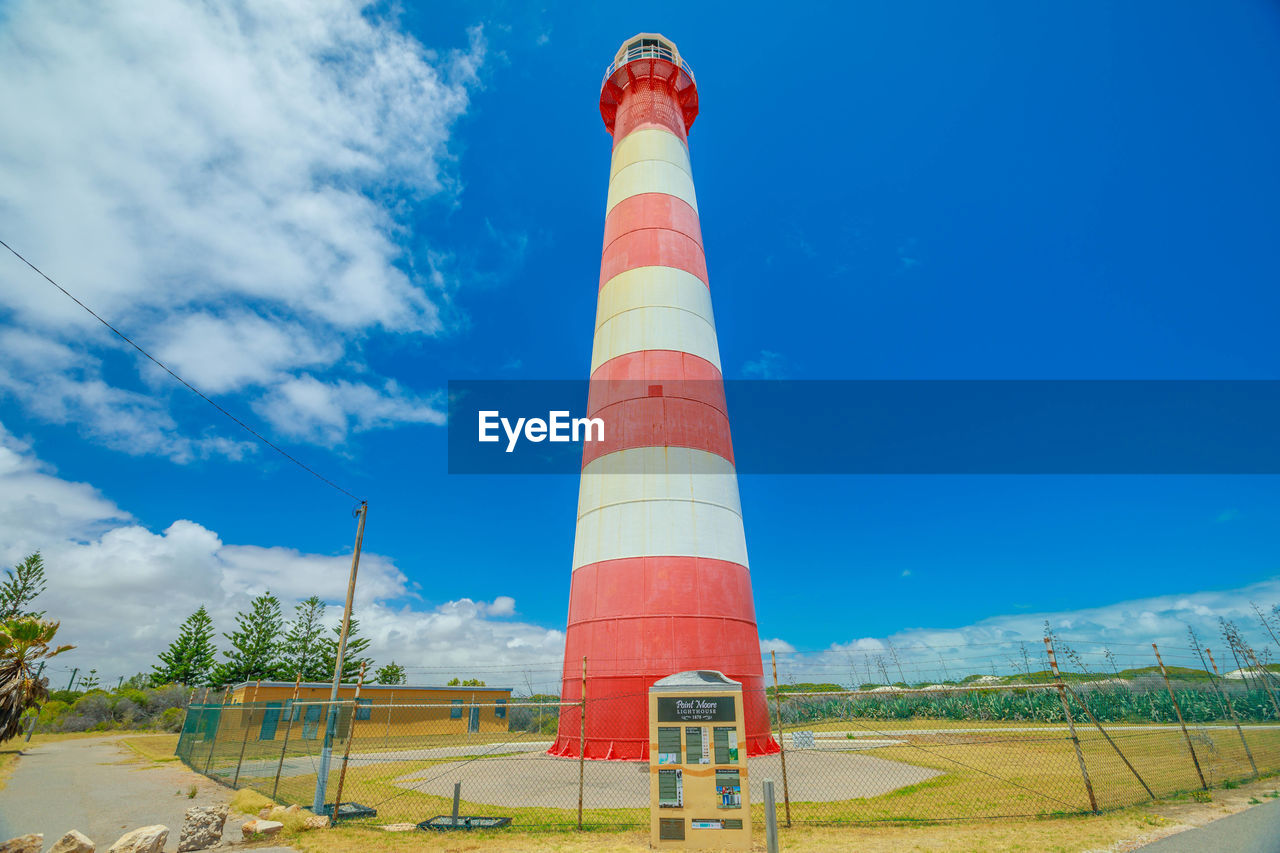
column 158, row 747
column 1060, row 835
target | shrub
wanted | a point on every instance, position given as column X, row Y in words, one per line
column 170, row 719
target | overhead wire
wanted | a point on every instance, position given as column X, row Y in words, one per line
column 189, row 386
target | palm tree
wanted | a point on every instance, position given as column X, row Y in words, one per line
column 23, row 641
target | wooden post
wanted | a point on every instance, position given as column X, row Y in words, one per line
column 1071, row 725
column 1094, row 720
column 1226, row 701
column 582, row 740
column 1190, row 747
column 222, row 706
column 351, row 736
column 782, row 747
column 244, row 741
column 1266, row 681
column 331, row 719
column 287, row 729
column 391, row 704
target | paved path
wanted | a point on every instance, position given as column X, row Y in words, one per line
column 103, row 790
column 550, row 782
column 1255, row 830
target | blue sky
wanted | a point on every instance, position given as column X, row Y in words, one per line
column 887, row 191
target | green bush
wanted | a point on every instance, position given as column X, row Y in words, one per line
column 170, row 719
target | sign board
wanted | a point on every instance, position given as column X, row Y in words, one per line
column 699, row 794
column 696, row 709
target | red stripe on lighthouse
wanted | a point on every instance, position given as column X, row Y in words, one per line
column 658, row 398
column 652, row 210
column 653, row 247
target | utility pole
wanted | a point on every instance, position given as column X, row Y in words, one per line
column 74, row 672
column 331, row 724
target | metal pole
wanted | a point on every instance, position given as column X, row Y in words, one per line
column 287, row 729
column 457, row 796
column 782, row 747
column 351, row 735
column 1071, row 726
column 331, row 718
column 582, row 740
column 74, row 672
column 1178, row 711
column 1266, row 682
column 770, row 818
column 119, row 683
column 1226, row 701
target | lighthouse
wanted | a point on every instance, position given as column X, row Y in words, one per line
column 660, row 578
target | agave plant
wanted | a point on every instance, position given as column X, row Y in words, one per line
column 23, row 642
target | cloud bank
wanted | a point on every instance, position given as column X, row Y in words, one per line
column 230, row 183
column 121, row 590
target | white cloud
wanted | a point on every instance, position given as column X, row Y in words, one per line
column 228, row 182
column 121, row 589
column 767, row 365
column 1126, row 628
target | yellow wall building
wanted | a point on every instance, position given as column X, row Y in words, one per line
column 383, row 712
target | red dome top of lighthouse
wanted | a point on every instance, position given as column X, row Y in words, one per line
column 649, row 59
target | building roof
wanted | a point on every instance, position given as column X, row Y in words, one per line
column 351, row 684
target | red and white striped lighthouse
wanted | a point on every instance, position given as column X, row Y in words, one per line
column 660, row 578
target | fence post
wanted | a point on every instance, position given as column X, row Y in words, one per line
column 222, row 706
column 1226, row 701
column 1094, row 719
column 244, row 741
column 351, row 735
column 391, row 704
column 1266, row 681
column 782, row 747
column 770, row 818
column 1190, row 747
column 582, row 740
column 1071, row 725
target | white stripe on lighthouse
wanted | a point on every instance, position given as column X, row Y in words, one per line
column 650, row 143
column 651, row 176
column 655, row 327
column 659, row 501
column 648, row 287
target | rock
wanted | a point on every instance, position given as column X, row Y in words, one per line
column 146, row 839
column 293, row 809
column 398, row 827
column 316, row 821
column 256, row 829
column 32, row 843
column 265, row 813
column 73, row 842
column 202, row 827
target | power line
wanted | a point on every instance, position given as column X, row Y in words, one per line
column 189, row 386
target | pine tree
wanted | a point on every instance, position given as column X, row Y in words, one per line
column 303, row 650
column 352, row 659
column 392, row 673
column 189, row 659
column 255, row 647
column 21, row 585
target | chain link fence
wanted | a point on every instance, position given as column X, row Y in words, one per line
column 1061, row 745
